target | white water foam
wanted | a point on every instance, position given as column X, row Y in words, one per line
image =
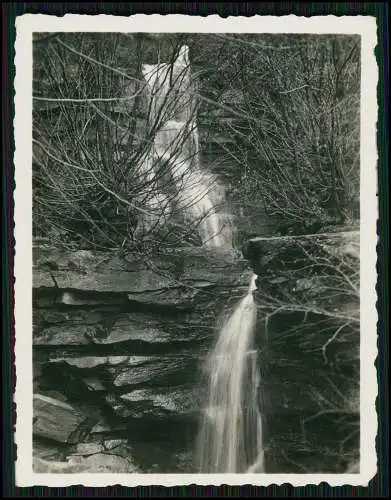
column 177, row 141
column 230, row 440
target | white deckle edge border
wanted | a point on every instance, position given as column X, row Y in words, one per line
column 29, row 23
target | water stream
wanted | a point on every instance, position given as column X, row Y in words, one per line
column 230, row 438
column 176, row 140
column 231, row 432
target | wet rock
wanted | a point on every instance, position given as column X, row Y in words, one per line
column 121, row 340
column 59, row 421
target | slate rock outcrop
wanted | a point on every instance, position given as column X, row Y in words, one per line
column 308, row 334
column 118, row 345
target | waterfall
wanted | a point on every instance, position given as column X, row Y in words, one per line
column 230, row 439
column 196, row 195
column 176, row 141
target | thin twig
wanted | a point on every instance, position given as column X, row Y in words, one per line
column 87, row 99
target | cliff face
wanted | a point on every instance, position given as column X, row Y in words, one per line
column 309, row 340
column 119, row 343
column 118, row 346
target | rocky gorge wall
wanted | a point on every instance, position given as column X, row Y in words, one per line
column 119, row 342
column 309, row 348
column 118, row 345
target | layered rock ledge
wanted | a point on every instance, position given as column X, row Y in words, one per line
column 308, row 337
column 118, row 344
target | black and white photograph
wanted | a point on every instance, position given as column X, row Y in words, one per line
column 198, row 222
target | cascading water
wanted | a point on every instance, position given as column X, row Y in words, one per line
column 231, row 433
column 230, row 439
column 177, row 141
column 196, row 195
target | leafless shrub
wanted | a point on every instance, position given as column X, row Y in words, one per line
column 294, row 104
column 319, row 299
column 97, row 181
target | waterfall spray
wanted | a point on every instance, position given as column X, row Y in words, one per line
column 231, row 434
